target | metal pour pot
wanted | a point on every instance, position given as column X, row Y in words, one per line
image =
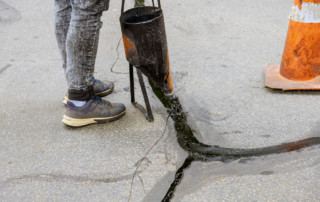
column 145, row 43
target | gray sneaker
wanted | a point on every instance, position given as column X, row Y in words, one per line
column 100, row 89
column 96, row 110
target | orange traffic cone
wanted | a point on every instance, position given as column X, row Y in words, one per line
column 300, row 65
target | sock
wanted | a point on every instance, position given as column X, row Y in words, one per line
column 78, row 103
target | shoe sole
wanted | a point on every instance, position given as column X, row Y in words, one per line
column 73, row 122
column 101, row 94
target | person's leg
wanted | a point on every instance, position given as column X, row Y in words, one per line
column 62, row 10
column 81, row 49
column 62, row 20
column 81, row 46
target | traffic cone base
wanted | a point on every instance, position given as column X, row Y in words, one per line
column 274, row 80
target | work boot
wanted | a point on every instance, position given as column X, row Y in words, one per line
column 100, row 89
column 96, row 110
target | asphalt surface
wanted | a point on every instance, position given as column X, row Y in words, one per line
column 218, row 51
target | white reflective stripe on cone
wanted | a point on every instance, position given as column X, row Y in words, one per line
column 309, row 13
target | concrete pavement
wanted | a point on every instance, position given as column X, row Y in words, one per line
column 218, row 51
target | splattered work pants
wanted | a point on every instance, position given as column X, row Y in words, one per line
column 77, row 26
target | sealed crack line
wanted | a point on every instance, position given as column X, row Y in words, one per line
column 178, row 178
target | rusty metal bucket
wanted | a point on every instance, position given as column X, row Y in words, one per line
column 145, row 43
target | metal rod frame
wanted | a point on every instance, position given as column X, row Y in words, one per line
column 147, row 112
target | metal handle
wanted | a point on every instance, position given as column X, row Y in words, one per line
column 123, row 2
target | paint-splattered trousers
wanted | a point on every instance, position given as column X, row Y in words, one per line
column 77, row 26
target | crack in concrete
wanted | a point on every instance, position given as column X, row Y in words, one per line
column 144, row 157
column 4, row 68
column 148, row 162
column 166, row 153
column 142, row 184
column 62, row 178
column 8, row 14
